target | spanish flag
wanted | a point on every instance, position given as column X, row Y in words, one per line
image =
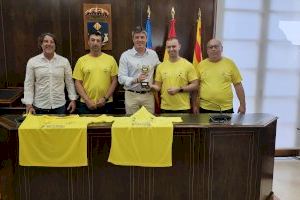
column 197, row 49
column 172, row 32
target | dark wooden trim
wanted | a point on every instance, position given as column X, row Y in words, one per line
column 287, row 152
column 3, row 64
column 10, row 96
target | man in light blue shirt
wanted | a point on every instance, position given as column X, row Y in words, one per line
column 136, row 69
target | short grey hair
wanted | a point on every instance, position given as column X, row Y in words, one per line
column 139, row 29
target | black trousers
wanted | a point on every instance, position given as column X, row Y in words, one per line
column 174, row 111
column 202, row 110
column 59, row 110
column 83, row 109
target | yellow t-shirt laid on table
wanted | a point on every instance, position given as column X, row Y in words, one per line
column 53, row 141
column 142, row 140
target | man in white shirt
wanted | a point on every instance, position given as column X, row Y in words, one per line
column 136, row 69
column 47, row 74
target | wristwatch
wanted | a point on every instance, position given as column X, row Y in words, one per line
column 106, row 99
column 181, row 89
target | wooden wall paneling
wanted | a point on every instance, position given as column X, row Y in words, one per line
column 56, row 187
column 200, row 148
column 2, row 50
column 165, row 184
column 239, row 175
column 106, row 181
column 209, row 17
column 64, row 46
column 123, row 23
column 76, row 30
column 25, row 21
column 6, row 170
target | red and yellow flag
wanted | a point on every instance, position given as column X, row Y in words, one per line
column 197, row 49
column 172, row 32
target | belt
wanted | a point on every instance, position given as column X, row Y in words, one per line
column 139, row 92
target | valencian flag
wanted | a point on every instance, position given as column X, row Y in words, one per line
column 172, row 32
column 149, row 30
column 197, row 49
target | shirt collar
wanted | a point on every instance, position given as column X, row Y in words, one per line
column 44, row 58
column 135, row 53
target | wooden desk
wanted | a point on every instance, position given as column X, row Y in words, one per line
column 231, row 161
column 10, row 96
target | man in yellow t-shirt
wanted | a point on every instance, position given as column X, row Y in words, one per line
column 175, row 79
column 216, row 74
column 95, row 77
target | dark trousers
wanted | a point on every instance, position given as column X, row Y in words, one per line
column 59, row 110
column 106, row 109
column 174, row 111
column 202, row 110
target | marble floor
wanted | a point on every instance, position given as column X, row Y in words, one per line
column 286, row 180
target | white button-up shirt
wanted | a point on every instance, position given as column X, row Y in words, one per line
column 131, row 65
column 45, row 82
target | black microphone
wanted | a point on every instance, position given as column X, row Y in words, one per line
column 217, row 118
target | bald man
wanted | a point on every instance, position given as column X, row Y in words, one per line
column 175, row 78
column 216, row 75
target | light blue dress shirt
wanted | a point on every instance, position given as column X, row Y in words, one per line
column 131, row 66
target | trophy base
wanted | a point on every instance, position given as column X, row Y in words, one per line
column 145, row 85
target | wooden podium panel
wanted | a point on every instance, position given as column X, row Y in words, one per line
column 230, row 161
column 10, row 96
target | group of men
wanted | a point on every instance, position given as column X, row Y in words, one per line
column 182, row 87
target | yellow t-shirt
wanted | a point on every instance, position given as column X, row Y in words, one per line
column 177, row 74
column 215, row 83
column 53, row 141
column 96, row 74
column 142, row 140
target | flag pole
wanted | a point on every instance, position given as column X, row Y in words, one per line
column 149, row 12
column 173, row 12
column 199, row 14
